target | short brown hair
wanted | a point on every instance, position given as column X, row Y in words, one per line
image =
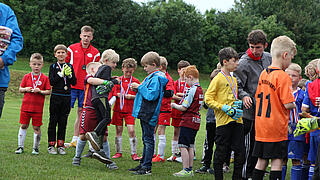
column 149, row 58
column 36, row 56
column 191, row 71
column 182, row 64
column 87, row 28
column 109, row 55
column 163, row 62
column 227, row 54
column 129, row 63
column 60, row 47
column 257, row 36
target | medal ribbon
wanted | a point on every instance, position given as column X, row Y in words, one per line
column 184, row 89
column 64, row 78
column 35, row 84
column 123, row 93
column 294, row 117
column 233, row 86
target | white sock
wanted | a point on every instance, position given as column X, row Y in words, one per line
column 90, row 147
column 36, row 140
column 74, row 138
column 133, row 145
column 118, row 141
column 79, row 148
column 161, row 145
column 106, row 148
column 174, row 146
column 155, row 141
column 22, row 137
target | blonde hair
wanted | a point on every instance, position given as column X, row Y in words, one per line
column 295, row 67
column 163, row 62
column 191, row 71
column 60, row 47
column 218, row 66
column 129, row 63
column 36, row 56
column 109, row 55
column 311, row 69
column 282, row 44
column 87, row 28
column 92, row 65
column 149, row 58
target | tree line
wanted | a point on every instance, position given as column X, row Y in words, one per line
column 173, row 28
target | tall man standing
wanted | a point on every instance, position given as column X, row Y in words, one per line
column 251, row 64
column 9, row 47
column 79, row 55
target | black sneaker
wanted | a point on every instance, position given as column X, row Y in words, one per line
column 88, row 155
column 143, row 171
column 202, row 170
column 94, row 140
column 136, row 168
column 101, row 156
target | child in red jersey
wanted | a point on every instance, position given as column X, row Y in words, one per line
column 35, row 86
column 180, row 87
column 190, row 119
column 123, row 97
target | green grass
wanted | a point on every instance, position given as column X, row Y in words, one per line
column 45, row 166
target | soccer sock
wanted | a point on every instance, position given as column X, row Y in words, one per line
column 305, row 171
column 311, row 171
column 284, row 172
column 22, row 137
column 174, row 146
column 118, row 141
column 106, row 148
column 36, row 140
column 133, row 145
column 90, row 147
column 161, row 145
column 296, row 172
column 257, row 174
column 275, row 175
column 74, row 138
column 155, row 140
column 80, row 146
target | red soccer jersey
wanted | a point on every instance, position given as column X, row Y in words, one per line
column 192, row 101
column 87, row 92
column 127, row 103
column 79, row 58
column 33, row 102
column 166, row 101
column 179, row 87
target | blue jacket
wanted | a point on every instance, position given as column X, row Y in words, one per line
column 9, row 19
column 148, row 99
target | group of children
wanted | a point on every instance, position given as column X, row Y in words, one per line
column 278, row 104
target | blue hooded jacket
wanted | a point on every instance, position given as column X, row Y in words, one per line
column 9, row 19
column 147, row 102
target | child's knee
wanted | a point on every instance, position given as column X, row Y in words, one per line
column 24, row 126
column 37, row 129
column 82, row 137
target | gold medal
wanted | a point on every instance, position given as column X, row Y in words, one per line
column 65, row 87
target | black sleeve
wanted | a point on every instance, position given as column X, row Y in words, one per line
column 104, row 72
column 168, row 93
column 54, row 78
column 73, row 79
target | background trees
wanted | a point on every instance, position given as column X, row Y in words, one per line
column 173, row 28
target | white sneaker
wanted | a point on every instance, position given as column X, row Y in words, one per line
column 61, row 150
column 19, row 150
column 35, row 152
column 179, row 159
column 112, row 166
column 172, row 158
column 51, row 150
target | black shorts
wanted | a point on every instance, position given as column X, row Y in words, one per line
column 187, row 137
column 270, row 150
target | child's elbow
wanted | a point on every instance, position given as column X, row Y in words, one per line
column 290, row 106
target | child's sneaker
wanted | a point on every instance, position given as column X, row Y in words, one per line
column 94, row 140
column 61, row 151
column 76, row 161
column 202, row 170
column 135, row 168
column 101, row 156
column 183, row 173
column 226, row 168
column 89, row 154
column 179, row 159
column 158, row 159
column 117, row 155
column 172, row 158
column 143, row 171
column 71, row 144
column 51, row 150
column 35, row 152
column 135, row 157
column 112, row 166
column 19, row 150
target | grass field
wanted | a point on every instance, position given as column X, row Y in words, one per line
column 45, row 166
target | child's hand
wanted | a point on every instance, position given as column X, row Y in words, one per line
column 118, row 95
column 134, row 86
column 173, row 105
column 36, row 90
column 66, row 70
column 180, row 94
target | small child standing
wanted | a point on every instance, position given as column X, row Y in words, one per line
column 61, row 76
column 35, row 86
column 190, row 120
column 222, row 96
column 274, row 101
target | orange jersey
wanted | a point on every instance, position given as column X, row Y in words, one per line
column 272, row 118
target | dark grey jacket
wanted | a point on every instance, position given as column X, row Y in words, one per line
column 247, row 74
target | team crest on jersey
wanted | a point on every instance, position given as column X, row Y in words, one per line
column 39, row 82
column 89, row 55
column 76, row 51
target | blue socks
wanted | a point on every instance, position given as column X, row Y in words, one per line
column 80, row 147
column 284, row 172
column 305, row 171
column 311, row 170
column 106, row 148
column 296, row 172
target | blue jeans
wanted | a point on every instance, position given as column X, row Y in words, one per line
column 2, row 94
column 148, row 145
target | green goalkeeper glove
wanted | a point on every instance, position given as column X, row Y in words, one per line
column 305, row 125
column 66, row 70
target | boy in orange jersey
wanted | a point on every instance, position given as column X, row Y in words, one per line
column 274, row 100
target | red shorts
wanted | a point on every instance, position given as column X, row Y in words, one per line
column 164, row 119
column 88, row 120
column 26, row 116
column 176, row 122
column 117, row 118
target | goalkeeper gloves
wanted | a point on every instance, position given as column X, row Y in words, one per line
column 237, row 104
column 305, row 125
column 232, row 112
column 105, row 87
column 66, row 70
